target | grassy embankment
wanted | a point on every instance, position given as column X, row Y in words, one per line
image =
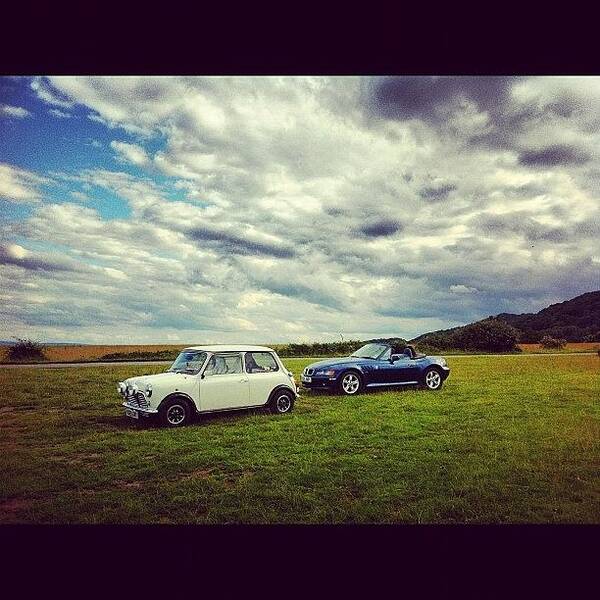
column 508, row 439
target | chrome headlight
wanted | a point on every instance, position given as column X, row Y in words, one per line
column 149, row 390
column 121, row 387
column 135, row 389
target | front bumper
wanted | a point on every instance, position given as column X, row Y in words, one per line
column 146, row 412
column 318, row 383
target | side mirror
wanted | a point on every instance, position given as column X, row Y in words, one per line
column 395, row 357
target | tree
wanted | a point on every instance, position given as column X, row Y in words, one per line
column 26, row 349
column 491, row 335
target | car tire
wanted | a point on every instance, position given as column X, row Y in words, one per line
column 282, row 402
column 350, row 383
column 175, row 412
column 432, row 379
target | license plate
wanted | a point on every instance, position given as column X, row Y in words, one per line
column 134, row 414
column 306, row 379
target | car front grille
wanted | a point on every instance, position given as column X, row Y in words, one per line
column 138, row 400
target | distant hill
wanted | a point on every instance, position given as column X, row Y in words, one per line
column 575, row 320
column 392, row 340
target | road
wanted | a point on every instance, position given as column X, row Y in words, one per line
column 168, row 362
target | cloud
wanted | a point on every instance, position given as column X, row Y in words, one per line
column 552, row 156
column 19, row 185
column 13, row 254
column 14, row 112
column 462, row 289
column 48, row 94
column 59, row 114
column 380, row 228
column 430, row 98
column 132, row 153
column 270, row 208
column 247, row 242
column 437, row 190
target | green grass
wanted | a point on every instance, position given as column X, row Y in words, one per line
column 508, row 439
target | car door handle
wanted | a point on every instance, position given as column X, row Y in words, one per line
column 244, row 380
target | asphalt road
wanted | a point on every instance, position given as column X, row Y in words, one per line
column 168, row 362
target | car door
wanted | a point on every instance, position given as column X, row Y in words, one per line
column 376, row 371
column 402, row 370
column 223, row 383
column 263, row 374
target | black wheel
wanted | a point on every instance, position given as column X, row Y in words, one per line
column 432, row 379
column 350, row 383
column 175, row 412
column 282, row 402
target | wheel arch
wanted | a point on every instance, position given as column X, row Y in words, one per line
column 361, row 377
column 431, row 367
column 355, row 369
column 278, row 388
column 179, row 396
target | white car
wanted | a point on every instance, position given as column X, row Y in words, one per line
column 206, row 379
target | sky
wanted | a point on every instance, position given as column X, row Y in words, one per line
column 291, row 209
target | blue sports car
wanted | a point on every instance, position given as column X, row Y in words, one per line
column 376, row 365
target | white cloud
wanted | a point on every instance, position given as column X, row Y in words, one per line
column 132, row 153
column 59, row 114
column 45, row 93
column 15, row 112
column 19, row 185
column 16, row 251
column 462, row 289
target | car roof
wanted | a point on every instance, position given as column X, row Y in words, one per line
column 230, row 348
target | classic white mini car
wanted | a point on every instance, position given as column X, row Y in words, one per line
column 211, row 378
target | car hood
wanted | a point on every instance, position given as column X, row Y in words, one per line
column 337, row 362
column 169, row 379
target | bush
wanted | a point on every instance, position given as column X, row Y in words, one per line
column 553, row 343
column 318, row 349
column 26, row 350
column 490, row 335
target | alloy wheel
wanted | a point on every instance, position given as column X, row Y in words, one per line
column 433, row 380
column 350, row 383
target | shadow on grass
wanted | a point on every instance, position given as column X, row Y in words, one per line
column 127, row 423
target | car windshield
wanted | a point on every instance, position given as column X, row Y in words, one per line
column 188, row 361
column 370, row 351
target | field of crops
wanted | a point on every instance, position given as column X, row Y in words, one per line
column 570, row 347
column 508, row 439
column 86, row 353
column 96, row 352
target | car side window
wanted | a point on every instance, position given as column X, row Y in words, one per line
column 224, row 364
column 260, row 362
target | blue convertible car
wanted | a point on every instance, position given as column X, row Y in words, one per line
column 376, row 365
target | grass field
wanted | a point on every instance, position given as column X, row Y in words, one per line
column 508, row 439
column 97, row 352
